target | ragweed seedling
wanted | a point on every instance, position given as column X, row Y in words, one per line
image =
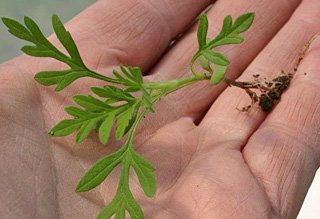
column 122, row 107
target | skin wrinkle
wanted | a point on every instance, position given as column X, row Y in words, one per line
column 282, row 163
column 288, row 179
column 182, row 167
column 283, row 169
column 222, row 129
column 10, row 210
column 297, row 164
column 15, row 192
column 286, row 131
column 53, row 162
column 242, row 199
column 164, row 19
column 131, row 34
column 50, row 152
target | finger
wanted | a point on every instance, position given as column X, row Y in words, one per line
column 280, row 54
column 284, row 152
column 130, row 32
column 194, row 100
column 279, row 162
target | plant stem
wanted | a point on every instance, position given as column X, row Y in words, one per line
column 245, row 84
column 167, row 87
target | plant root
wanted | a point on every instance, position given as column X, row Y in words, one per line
column 269, row 92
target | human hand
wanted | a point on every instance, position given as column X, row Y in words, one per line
column 231, row 165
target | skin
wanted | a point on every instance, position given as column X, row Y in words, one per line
column 212, row 161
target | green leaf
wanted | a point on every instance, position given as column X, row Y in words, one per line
column 122, row 202
column 61, row 78
column 37, row 51
column 66, row 40
column 77, row 112
column 91, row 104
column 215, row 57
column 205, row 64
column 232, row 39
column 133, row 208
column 218, row 75
column 243, row 23
column 105, row 129
column 227, row 25
column 44, row 48
column 125, row 120
column 132, row 76
column 17, row 29
column 36, row 32
column 65, row 127
column 202, row 31
column 145, row 173
column 99, row 171
column 114, row 93
column 85, row 130
column 136, row 74
column 110, row 209
column 230, row 34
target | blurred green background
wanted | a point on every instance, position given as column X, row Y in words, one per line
column 40, row 11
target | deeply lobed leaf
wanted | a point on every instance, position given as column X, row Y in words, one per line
column 230, row 33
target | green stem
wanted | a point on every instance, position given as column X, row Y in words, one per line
column 134, row 128
column 167, row 87
column 102, row 77
column 192, row 62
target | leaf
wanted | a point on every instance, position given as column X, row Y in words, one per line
column 44, row 48
column 243, row 23
column 99, row 171
column 202, row 31
column 66, row 40
column 230, row 34
column 125, row 120
column 37, row 51
column 215, row 57
column 133, row 208
column 68, row 79
column 36, row 32
column 227, row 25
column 205, row 64
column 218, row 75
column 65, row 127
column 122, row 202
column 114, row 93
column 91, row 104
column 233, row 39
column 105, row 129
column 136, row 74
column 61, row 78
column 145, row 173
column 85, row 130
column 110, row 209
column 77, row 112
column 17, row 29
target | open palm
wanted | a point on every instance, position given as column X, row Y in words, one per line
column 229, row 165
